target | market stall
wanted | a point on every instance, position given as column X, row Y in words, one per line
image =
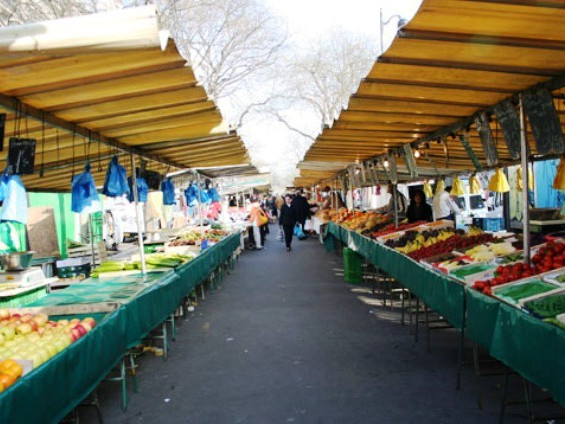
column 468, row 91
column 96, row 128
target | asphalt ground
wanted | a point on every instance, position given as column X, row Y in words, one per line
column 285, row 340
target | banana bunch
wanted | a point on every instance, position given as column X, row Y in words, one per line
column 475, row 185
column 559, row 181
column 444, row 235
column 457, row 188
column 474, row 231
column 499, row 183
column 428, row 189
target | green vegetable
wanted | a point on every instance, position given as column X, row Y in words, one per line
column 110, row 266
column 547, row 307
column 521, row 291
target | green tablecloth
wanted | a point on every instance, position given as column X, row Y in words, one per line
column 51, row 391
column 437, row 291
column 526, row 344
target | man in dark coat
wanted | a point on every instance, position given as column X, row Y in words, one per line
column 301, row 208
column 287, row 220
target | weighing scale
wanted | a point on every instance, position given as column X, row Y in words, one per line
column 32, row 277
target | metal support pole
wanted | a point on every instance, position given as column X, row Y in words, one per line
column 525, row 202
column 138, row 215
column 381, row 29
column 91, row 235
column 395, row 204
column 200, row 201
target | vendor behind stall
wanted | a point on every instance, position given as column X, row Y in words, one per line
column 419, row 210
column 444, row 206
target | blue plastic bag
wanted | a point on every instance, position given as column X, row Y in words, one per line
column 203, row 197
column 142, row 189
column 214, row 195
column 14, row 198
column 168, row 189
column 116, row 183
column 84, row 197
column 191, row 195
column 298, row 232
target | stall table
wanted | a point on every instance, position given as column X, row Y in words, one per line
column 50, row 392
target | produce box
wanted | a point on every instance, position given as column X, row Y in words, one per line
column 514, row 292
column 473, row 272
column 547, row 305
column 555, row 277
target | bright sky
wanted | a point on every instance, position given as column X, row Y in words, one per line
column 306, row 20
column 272, row 145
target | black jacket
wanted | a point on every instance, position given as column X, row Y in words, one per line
column 288, row 215
column 419, row 213
column 301, row 208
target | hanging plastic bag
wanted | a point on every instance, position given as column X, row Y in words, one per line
column 13, row 197
column 203, row 196
column 116, row 183
column 214, row 195
column 168, row 189
column 191, row 195
column 84, row 197
column 142, row 189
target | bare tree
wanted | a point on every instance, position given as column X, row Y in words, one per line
column 16, row 12
column 228, row 41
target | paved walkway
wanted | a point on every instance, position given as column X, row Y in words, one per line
column 285, row 340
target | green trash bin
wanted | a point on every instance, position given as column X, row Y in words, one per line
column 352, row 263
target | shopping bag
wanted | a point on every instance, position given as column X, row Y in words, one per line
column 298, row 232
column 142, row 189
column 13, row 197
column 191, row 195
column 214, row 195
column 84, row 197
column 116, row 183
column 262, row 218
column 168, row 189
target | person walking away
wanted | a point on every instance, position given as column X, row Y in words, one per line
column 301, row 209
column 254, row 219
column 444, row 207
column 419, row 210
column 287, row 219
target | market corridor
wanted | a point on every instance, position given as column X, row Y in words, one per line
column 286, row 341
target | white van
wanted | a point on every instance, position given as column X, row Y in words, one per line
column 472, row 206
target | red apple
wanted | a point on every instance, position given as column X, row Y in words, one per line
column 52, row 324
column 26, row 317
column 4, row 314
column 18, row 316
column 81, row 329
column 14, row 318
column 76, row 333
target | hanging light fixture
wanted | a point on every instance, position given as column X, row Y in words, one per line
column 416, row 154
column 474, row 184
column 457, row 188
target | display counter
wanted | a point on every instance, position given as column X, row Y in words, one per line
column 50, row 392
column 526, row 344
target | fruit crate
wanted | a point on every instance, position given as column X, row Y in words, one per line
column 490, row 224
column 352, row 264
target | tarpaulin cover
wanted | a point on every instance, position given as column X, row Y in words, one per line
column 437, row 291
column 526, row 344
column 77, row 370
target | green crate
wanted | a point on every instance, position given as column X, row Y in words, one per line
column 352, row 264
